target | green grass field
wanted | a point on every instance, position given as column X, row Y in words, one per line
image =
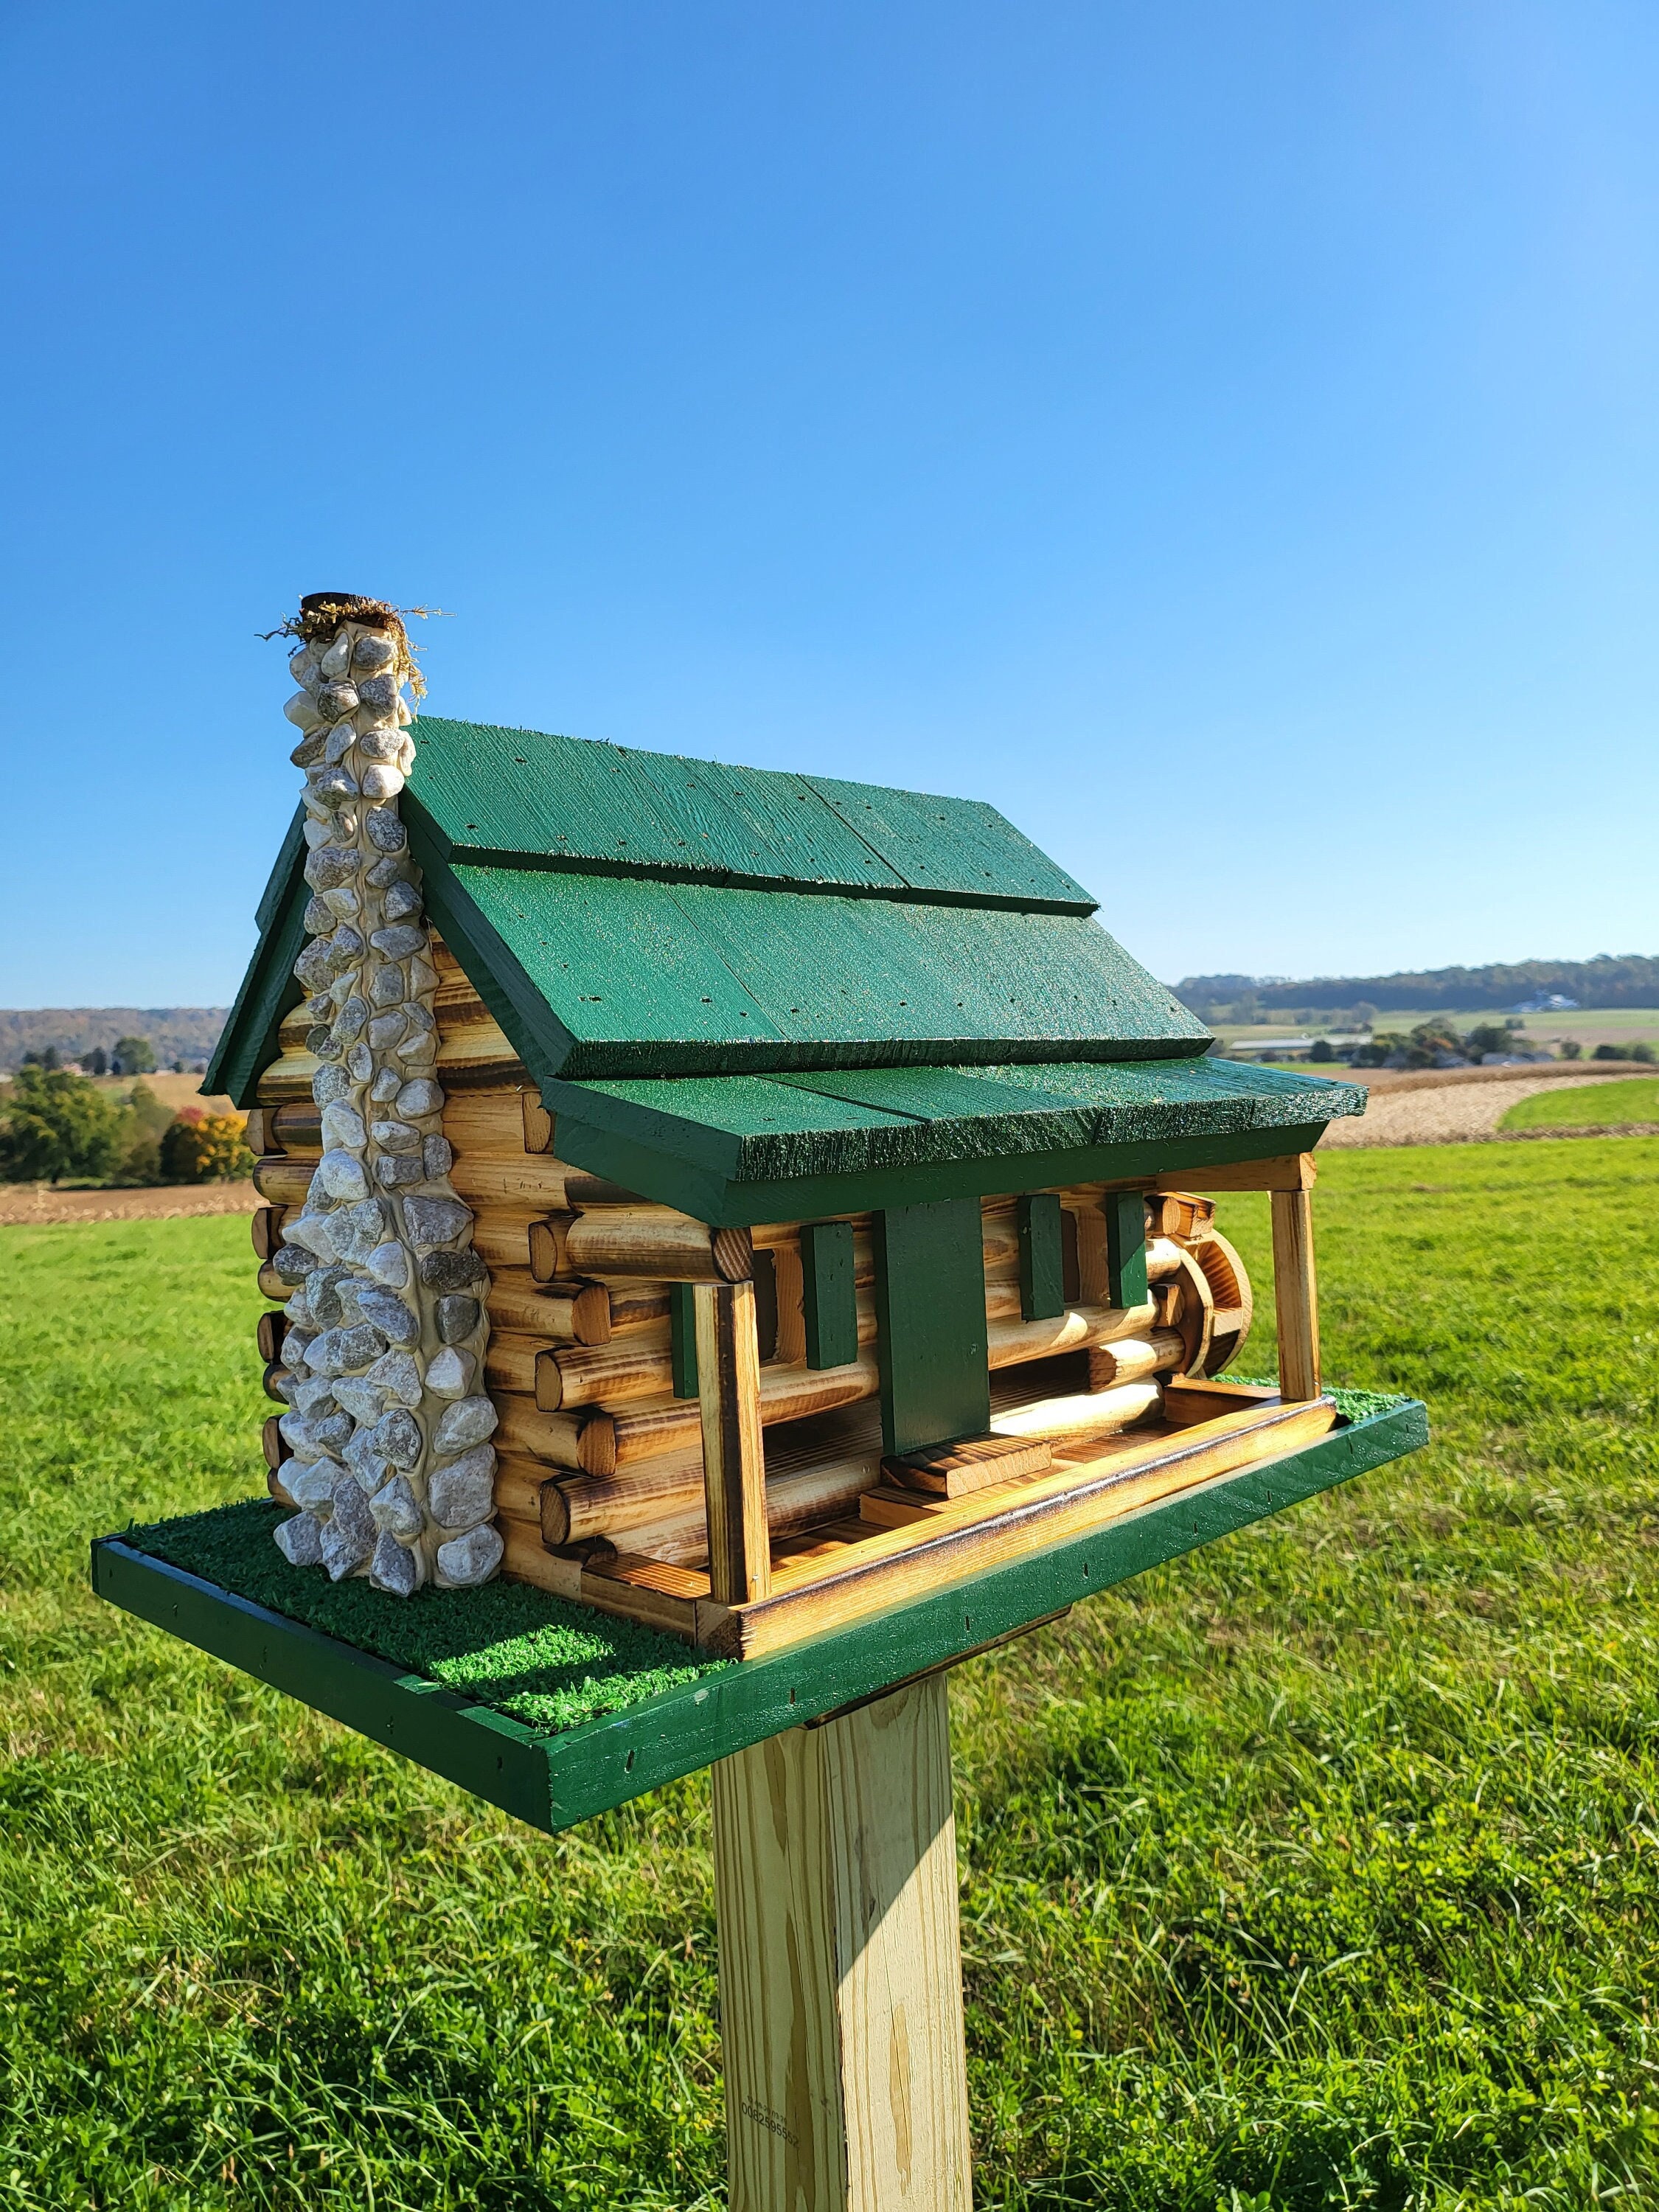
column 1319, row 1870
column 1605, row 1106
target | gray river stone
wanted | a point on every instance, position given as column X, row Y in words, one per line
column 346, row 1351
column 387, row 986
column 373, row 650
column 437, row 1157
column 463, row 1492
column 386, row 831
column 394, row 1319
column 387, row 1084
column 456, row 1317
column 389, row 1265
column 392, row 1568
column 398, row 1436
column 335, row 658
column 419, row 1017
column 332, row 868
column 345, row 948
column 395, row 1136
column 380, row 744
column 369, row 1468
column 392, row 1172
column 398, row 1374
column 436, row 1220
column 293, row 1262
column 313, row 969
column 382, row 781
column 403, row 903
column 386, row 1031
column 359, row 1397
column 449, row 1372
column 469, row 1421
column 300, row 1541
column 378, row 691
column 420, row 1098
column 336, row 700
column 466, row 1561
column 334, row 788
column 349, row 1537
column 317, row 918
column 329, row 1084
column 342, row 1175
column 310, row 749
column 324, row 1044
column 450, row 1271
column 312, row 1484
column 396, row 1510
column 342, row 1125
column 398, row 942
column 352, row 1020
column 359, row 1062
column 388, row 869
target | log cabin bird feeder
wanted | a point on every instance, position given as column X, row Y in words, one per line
column 772, row 1211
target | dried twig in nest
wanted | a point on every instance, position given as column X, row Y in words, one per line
column 321, row 613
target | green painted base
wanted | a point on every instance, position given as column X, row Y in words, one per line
column 625, row 1711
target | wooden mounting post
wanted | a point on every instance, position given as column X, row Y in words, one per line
column 1295, row 1296
column 733, row 1463
column 841, row 1965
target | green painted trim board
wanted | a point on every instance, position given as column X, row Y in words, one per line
column 554, row 1780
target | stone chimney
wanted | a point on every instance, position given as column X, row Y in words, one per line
column 388, row 1420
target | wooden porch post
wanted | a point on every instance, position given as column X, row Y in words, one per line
column 1295, row 1297
column 841, row 1965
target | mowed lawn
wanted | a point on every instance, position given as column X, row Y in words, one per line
column 1318, row 1870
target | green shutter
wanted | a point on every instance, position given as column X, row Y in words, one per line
column 828, row 1295
column 930, row 1322
column 1042, row 1257
column 1126, row 1246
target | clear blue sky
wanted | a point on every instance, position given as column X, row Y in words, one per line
column 1223, row 437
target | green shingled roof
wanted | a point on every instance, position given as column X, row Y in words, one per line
column 730, row 980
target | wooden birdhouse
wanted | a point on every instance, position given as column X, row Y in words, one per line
column 778, row 1197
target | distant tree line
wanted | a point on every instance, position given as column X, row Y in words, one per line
column 58, row 1127
column 1631, row 979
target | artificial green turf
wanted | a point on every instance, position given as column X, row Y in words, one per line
column 1318, row 1869
column 1598, row 1106
column 525, row 1653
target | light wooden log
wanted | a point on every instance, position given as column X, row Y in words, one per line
column 500, row 1236
column 1133, row 1358
column 636, row 1366
column 959, row 1469
column 297, row 1128
column 259, row 1133
column 1096, row 1412
column 273, row 1442
column 734, row 1464
column 288, row 1077
column 665, row 1514
column 553, row 1437
column 789, row 1393
column 652, row 1240
column 1295, row 1296
column 274, row 1374
column 272, row 1285
column 492, row 1120
column 266, row 1228
column 1011, row 1343
column 841, row 1967
column 278, row 1489
column 281, row 1181
column 1178, row 1213
column 268, row 1333
column 550, row 1186
column 584, row 1313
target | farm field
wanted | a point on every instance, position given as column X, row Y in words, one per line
column 1321, row 1869
column 1601, row 1106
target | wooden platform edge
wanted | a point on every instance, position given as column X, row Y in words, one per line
column 553, row 1782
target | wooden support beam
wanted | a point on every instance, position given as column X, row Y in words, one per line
column 828, row 1300
column 1296, row 1296
column 1290, row 1171
column 734, row 1462
column 841, row 1965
